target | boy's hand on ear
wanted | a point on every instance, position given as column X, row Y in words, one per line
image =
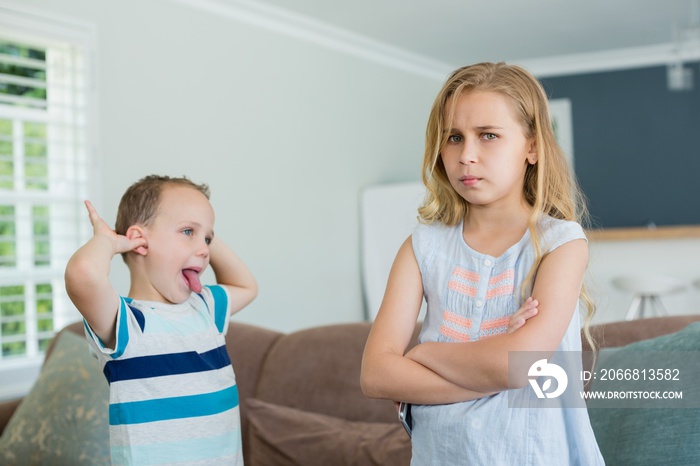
column 120, row 243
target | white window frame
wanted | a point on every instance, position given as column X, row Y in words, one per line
column 68, row 186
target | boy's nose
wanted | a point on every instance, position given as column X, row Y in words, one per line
column 203, row 249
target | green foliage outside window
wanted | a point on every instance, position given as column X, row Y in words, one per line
column 7, row 168
column 42, row 245
column 44, row 312
column 8, row 245
column 35, row 155
column 21, row 90
column 12, row 317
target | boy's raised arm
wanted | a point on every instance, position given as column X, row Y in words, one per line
column 232, row 273
column 87, row 277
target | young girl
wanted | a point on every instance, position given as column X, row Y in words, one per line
column 498, row 224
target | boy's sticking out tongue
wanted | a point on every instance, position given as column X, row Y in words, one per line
column 192, row 278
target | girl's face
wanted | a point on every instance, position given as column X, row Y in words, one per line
column 486, row 153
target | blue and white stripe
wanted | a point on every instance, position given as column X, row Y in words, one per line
column 173, row 393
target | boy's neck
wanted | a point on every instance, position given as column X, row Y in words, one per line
column 140, row 285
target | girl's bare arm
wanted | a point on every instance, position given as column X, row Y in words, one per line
column 483, row 365
column 386, row 372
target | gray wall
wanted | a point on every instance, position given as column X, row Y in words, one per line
column 636, row 145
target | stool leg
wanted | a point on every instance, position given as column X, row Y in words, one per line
column 660, row 306
column 632, row 311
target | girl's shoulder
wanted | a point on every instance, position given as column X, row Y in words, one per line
column 427, row 237
column 435, row 231
column 555, row 232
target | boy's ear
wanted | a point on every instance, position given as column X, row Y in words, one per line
column 137, row 232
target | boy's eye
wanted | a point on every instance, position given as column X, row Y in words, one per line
column 207, row 240
column 188, row 231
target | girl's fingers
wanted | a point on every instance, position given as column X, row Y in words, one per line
column 515, row 324
column 526, row 311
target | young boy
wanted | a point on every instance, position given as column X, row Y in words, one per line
column 173, row 395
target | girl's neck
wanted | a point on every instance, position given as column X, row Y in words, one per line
column 492, row 231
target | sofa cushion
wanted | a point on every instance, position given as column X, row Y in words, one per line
column 283, row 436
column 650, row 436
column 64, row 418
column 313, row 369
column 247, row 347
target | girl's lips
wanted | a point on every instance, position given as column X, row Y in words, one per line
column 469, row 180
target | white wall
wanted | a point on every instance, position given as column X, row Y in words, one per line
column 667, row 257
column 286, row 132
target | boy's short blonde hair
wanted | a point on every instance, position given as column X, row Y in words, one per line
column 139, row 204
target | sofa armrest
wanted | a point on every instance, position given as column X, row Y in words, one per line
column 614, row 334
column 7, row 409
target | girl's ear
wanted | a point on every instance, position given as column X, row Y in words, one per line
column 532, row 153
column 138, row 232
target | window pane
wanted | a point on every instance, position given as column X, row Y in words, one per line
column 25, row 72
column 6, row 160
column 14, row 348
column 12, row 320
column 35, row 160
column 44, row 344
column 44, row 305
column 11, row 302
column 42, row 245
column 8, row 244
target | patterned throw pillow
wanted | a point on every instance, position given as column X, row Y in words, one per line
column 64, row 418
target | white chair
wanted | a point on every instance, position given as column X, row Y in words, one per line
column 646, row 291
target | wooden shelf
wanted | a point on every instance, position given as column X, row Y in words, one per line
column 642, row 233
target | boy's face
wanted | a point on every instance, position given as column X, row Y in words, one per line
column 178, row 246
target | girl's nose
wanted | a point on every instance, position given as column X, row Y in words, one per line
column 468, row 154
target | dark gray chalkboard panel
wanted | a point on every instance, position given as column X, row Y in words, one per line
column 636, row 146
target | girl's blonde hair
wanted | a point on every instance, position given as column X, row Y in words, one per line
column 549, row 186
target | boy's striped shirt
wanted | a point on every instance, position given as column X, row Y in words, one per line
column 173, row 394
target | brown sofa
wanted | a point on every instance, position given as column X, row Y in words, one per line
column 300, row 395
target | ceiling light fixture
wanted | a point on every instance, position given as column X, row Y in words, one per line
column 678, row 76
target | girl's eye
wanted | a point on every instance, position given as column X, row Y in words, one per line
column 188, row 231
column 454, row 138
column 489, row 136
column 207, row 240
